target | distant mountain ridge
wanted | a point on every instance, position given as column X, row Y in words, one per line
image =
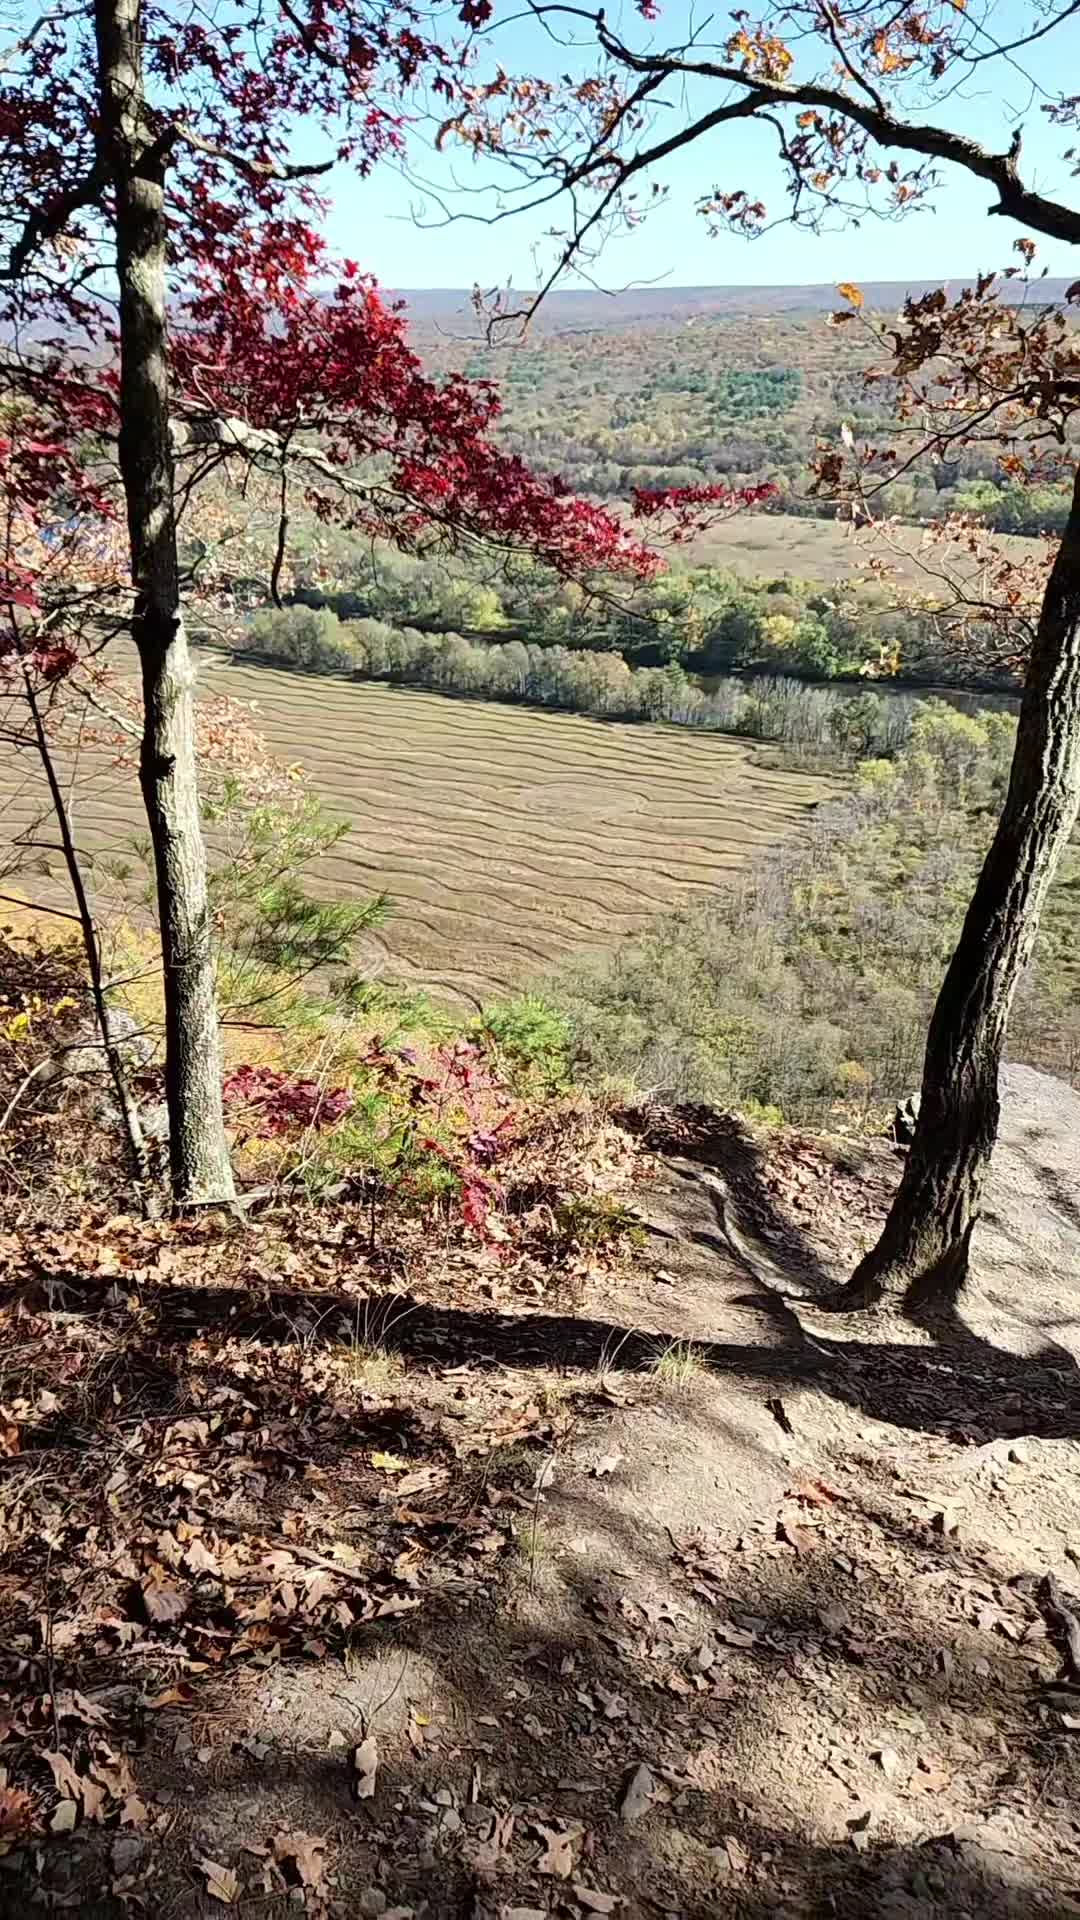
column 442, row 306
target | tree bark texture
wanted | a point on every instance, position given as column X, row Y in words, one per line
column 198, row 1148
column 922, row 1257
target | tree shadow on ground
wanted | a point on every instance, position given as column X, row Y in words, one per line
column 769, row 1792
column 845, row 1645
column 787, row 1273
column 730, row 1162
column 984, row 1393
column 976, row 1393
column 853, row 1641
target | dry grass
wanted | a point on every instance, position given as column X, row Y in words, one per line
column 679, row 1365
column 762, row 545
column 369, row 1358
column 374, row 1369
column 506, row 838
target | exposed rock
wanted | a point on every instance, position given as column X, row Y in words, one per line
column 905, row 1119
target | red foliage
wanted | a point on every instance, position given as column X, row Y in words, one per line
column 456, row 1104
column 288, row 360
column 278, row 1103
column 41, row 469
column 48, row 493
column 327, row 379
column 691, row 510
column 459, row 1109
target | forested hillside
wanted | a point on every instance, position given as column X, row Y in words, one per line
column 691, row 386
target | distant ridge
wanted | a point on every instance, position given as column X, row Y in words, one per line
column 586, row 307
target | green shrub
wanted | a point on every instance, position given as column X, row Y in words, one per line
column 311, row 637
column 272, row 935
column 530, row 1033
column 597, row 1223
column 806, row 988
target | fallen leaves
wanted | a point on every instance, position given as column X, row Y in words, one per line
column 733, row 1636
column 737, row 1856
column 556, row 1860
column 928, row 1778
column 71, row 1705
column 389, row 1463
column 593, row 1899
column 640, row 1794
column 421, row 1480
column 163, row 1601
column 64, row 1817
column 65, row 1777
column 98, row 1793
column 242, row 1506
column 812, row 1493
column 801, row 1538
column 310, row 1521
column 222, row 1883
column 303, row 1855
column 492, row 1849
column 199, row 1559
column 180, row 1695
column 16, row 1814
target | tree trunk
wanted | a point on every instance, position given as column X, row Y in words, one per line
column 198, row 1149
column 129, row 1112
column 922, row 1256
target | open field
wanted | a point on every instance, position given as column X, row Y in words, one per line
column 506, row 838
column 765, row 545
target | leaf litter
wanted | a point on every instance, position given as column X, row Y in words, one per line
column 246, row 1511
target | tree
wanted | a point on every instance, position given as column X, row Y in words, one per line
column 165, row 320
column 31, row 664
column 971, row 360
column 858, row 101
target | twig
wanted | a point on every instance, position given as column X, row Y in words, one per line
column 21, row 1089
column 1065, row 1623
column 33, row 906
column 50, row 1669
column 367, row 1720
column 129, row 1112
column 286, row 1546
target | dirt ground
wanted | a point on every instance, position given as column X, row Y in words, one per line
column 734, row 1607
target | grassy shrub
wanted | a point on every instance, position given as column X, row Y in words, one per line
column 593, row 679
column 311, row 637
column 532, row 1037
column 808, row 986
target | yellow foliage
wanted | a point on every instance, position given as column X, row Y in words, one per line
column 779, row 630
column 17, row 1022
column 875, row 775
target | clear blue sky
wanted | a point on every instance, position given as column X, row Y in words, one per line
column 373, row 220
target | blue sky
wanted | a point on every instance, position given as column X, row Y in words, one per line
column 373, row 221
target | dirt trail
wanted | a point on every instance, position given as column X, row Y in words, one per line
column 774, row 1642
column 876, row 1507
